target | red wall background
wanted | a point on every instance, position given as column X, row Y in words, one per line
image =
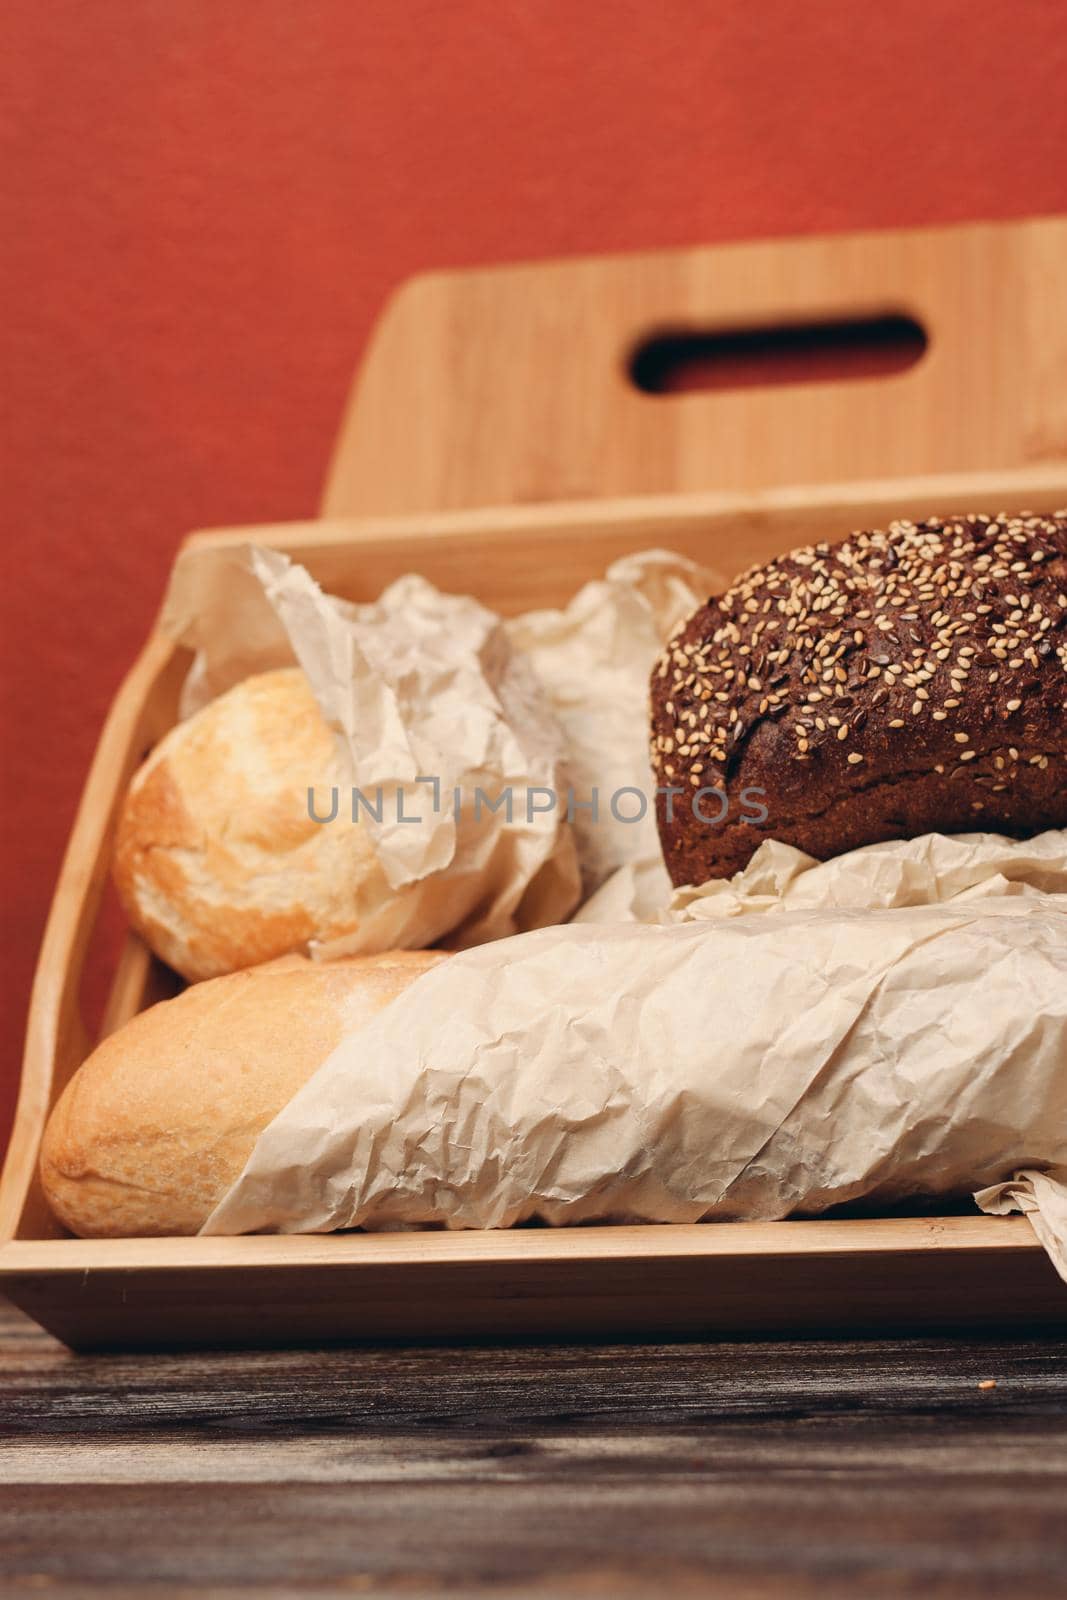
column 205, row 203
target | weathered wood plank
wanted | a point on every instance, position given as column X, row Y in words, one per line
column 844, row 1536
column 846, row 1469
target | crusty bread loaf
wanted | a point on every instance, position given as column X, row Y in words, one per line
column 220, row 866
column 158, row 1122
column 895, row 684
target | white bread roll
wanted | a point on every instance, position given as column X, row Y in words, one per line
column 157, row 1124
column 218, row 864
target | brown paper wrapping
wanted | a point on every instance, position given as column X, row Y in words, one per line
column 726, row 1066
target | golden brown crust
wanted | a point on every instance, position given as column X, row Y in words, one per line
column 217, row 862
column 158, row 1122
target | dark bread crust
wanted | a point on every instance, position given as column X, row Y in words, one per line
column 894, row 684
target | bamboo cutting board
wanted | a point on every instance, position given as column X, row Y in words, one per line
column 510, row 385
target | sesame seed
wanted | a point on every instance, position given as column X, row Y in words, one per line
column 938, row 600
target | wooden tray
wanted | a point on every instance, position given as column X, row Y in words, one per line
column 794, row 1277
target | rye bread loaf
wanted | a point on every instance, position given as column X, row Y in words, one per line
column 158, row 1122
column 898, row 683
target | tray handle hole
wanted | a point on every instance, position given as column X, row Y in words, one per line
column 687, row 360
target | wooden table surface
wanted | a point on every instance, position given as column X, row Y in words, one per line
column 740, row 1470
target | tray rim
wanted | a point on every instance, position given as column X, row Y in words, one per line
column 848, row 1236
column 934, row 493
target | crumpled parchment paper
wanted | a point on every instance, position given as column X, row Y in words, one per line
column 424, row 685
column 1041, row 1196
column 428, row 700
column 902, row 872
column 594, row 658
column 779, row 878
column 751, row 1065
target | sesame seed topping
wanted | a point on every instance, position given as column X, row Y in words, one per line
column 939, row 614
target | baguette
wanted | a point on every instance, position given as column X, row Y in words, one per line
column 161, row 1118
